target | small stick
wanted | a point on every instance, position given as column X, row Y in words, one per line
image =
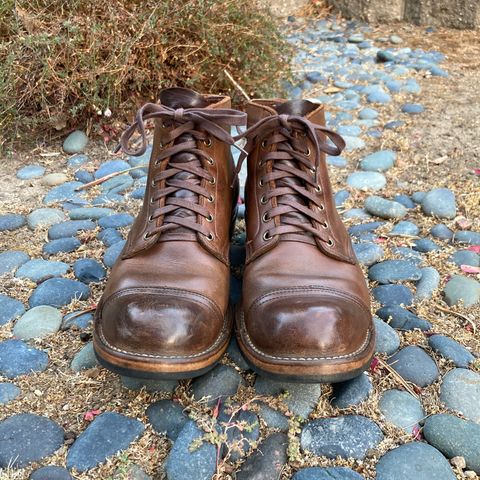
column 460, row 315
column 108, row 177
column 237, row 85
column 398, row 377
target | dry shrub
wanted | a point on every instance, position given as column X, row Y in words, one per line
column 62, row 61
column 315, row 9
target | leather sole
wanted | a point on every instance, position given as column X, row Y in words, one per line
column 326, row 370
column 162, row 368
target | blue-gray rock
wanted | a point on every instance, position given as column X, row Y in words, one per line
column 38, row 322
column 379, row 96
column 380, row 161
column 30, row 171
column 394, row 124
column 8, row 392
column 10, row 308
column 109, row 236
column 273, row 418
column 58, row 292
column 17, row 358
column 218, row 384
column 368, row 253
column 108, row 434
column 357, row 230
column 11, row 221
column 116, row 185
column 70, row 228
column 401, row 409
column 414, row 460
column 79, row 320
column 111, row 253
column 88, row 270
column 90, row 213
column 450, row 349
column 393, row 294
column 149, row 385
column 77, row 160
column 75, row 142
column 385, row 56
column 387, row 339
column 414, row 365
column 185, row 462
column 167, row 417
column 428, row 284
column 353, row 143
column 341, row 197
column 352, row 392
column 467, row 236
column 267, row 462
column 327, row 473
column 390, row 271
column 383, row 208
column 454, row 437
column 357, row 213
column 413, row 108
column 44, row 217
column 300, row 398
column 405, row 228
column 84, row 359
column 405, row 200
column 349, row 130
column 425, row 245
column 64, row 192
column 83, row 176
column 460, row 391
column 349, row 436
column 111, row 166
column 339, row 162
column 412, row 256
column 367, row 180
column 462, row 289
column 39, row 270
column 441, row 231
column 27, row 438
column 418, row 197
column 465, row 257
column 368, row 114
column 138, row 193
column 11, row 260
column 402, row 319
column 61, row 245
column 51, row 472
column 440, row 202
column 236, row 355
column 116, row 220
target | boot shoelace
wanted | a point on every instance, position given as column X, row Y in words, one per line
column 286, row 132
column 199, row 124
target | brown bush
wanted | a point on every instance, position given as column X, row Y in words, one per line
column 62, row 61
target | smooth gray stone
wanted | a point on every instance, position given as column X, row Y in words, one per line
column 462, row 289
column 401, row 409
column 391, row 271
column 75, row 142
column 402, row 319
column 454, row 437
column 84, row 359
column 450, row 349
column 367, row 180
column 44, row 217
column 8, row 392
column 38, row 322
column 368, row 253
column 467, row 236
column 352, row 392
column 150, row 385
column 405, row 228
column 273, row 418
column 10, row 260
column 440, row 202
column 387, row 339
column 427, row 285
column 327, row 473
column 380, row 161
column 167, row 417
column 51, row 472
column 17, row 358
column 465, row 257
column 383, row 208
column 39, row 270
column 460, row 391
column 414, row 460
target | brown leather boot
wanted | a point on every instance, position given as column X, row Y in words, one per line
column 305, row 314
column 164, row 312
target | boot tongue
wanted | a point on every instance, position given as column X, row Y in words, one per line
column 184, row 98
column 298, row 108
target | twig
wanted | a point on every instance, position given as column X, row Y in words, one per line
column 398, row 377
column 460, row 315
column 82, row 312
column 236, row 84
column 98, row 181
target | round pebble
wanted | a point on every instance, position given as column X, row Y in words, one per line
column 10, row 309
column 112, row 253
column 428, row 284
column 368, row 253
column 17, row 358
column 11, row 221
column 88, row 270
column 39, row 270
column 112, row 166
column 404, row 228
column 70, row 228
column 384, row 208
column 38, row 322
column 62, row 245
column 90, row 213
column 327, row 473
column 413, row 108
column 58, row 292
column 53, row 179
column 467, row 236
column 30, row 171
column 380, row 161
column 84, row 359
column 44, row 217
column 402, row 319
column 273, row 418
column 440, row 202
column 462, row 289
column 441, row 231
column 116, row 220
column 75, row 142
column 51, row 472
column 352, row 392
column 367, row 180
column 465, row 257
column 64, row 192
column 8, row 392
column 401, row 409
column 391, row 271
column 393, row 295
column 11, row 260
column 167, row 417
column 387, row 339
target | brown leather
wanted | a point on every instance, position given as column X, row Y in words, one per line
column 305, row 312
column 164, row 311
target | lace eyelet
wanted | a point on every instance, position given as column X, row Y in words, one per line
column 208, row 142
column 210, row 237
column 260, row 183
column 152, row 183
column 325, row 225
column 267, row 236
column 321, row 206
column 264, row 144
column 146, row 236
column 210, row 161
column 152, row 200
column 213, row 181
column 265, row 218
column 330, row 242
column 309, row 152
column 211, row 199
column 150, row 219
column 318, row 189
column 303, row 134
column 264, row 200
column 209, row 218
column 312, row 170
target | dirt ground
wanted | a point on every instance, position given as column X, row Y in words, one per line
column 438, row 148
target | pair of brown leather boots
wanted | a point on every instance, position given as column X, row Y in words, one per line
column 305, row 312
